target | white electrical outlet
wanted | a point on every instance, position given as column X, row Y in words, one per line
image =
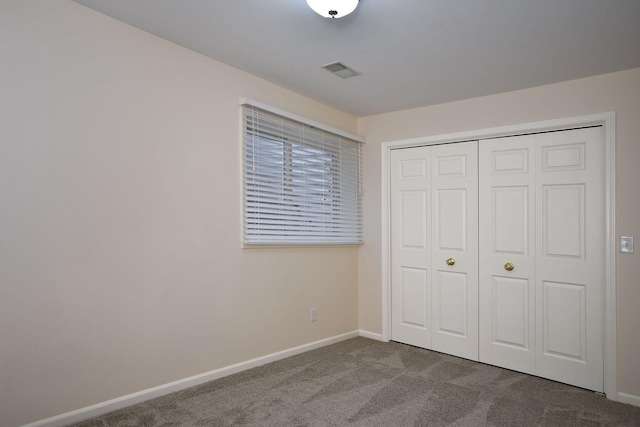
column 314, row 314
column 626, row 244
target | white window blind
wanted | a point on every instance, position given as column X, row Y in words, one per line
column 301, row 184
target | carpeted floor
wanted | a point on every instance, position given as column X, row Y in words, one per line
column 361, row 382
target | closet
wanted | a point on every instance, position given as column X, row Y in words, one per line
column 497, row 252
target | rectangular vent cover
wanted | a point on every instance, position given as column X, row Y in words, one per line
column 341, row 70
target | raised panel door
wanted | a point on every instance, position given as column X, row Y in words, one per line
column 542, row 216
column 570, row 257
column 507, row 254
column 455, row 239
column 410, row 213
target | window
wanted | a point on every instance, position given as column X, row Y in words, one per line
column 301, row 182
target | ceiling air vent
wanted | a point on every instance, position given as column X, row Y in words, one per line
column 341, row 70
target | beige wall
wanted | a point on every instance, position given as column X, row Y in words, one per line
column 120, row 259
column 619, row 92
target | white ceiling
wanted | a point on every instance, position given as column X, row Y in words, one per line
column 411, row 53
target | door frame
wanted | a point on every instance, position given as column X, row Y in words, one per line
column 607, row 121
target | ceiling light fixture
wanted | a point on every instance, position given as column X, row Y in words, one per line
column 333, row 8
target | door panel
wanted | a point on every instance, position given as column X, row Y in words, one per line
column 556, row 158
column 563, row 226
column 455, row 237
column 414, row 219
column 434, row 219
column 452, row 295
column 451, row 219
column 510, row 219
column 510, row 314
column 509, row 160
column 570, row 257
column 507, row 236
column 411, row 247
column 563, row 320
column 541, row 201
column 414, row 285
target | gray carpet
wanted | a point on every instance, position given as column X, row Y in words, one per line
column 361, row 382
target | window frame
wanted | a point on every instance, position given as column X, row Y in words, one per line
column 310, row 217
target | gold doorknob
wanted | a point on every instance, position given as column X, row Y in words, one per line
column 508, row 266
column 451, row 261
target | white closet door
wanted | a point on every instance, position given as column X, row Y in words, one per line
column 410, row 247
column 570, row 257
column 434, row 303
column 541, row 201
column 454, row 174
column 507, row 238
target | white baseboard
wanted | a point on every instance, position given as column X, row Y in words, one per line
column 141, row 396
column 370, row 335
column 629, row 398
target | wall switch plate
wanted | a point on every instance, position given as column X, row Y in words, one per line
column 314, row 314
column 626, row 244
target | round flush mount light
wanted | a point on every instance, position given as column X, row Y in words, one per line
column 333, row 8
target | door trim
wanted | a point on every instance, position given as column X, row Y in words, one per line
column 607, row 121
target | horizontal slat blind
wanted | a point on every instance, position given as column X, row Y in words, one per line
column 301, row 184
